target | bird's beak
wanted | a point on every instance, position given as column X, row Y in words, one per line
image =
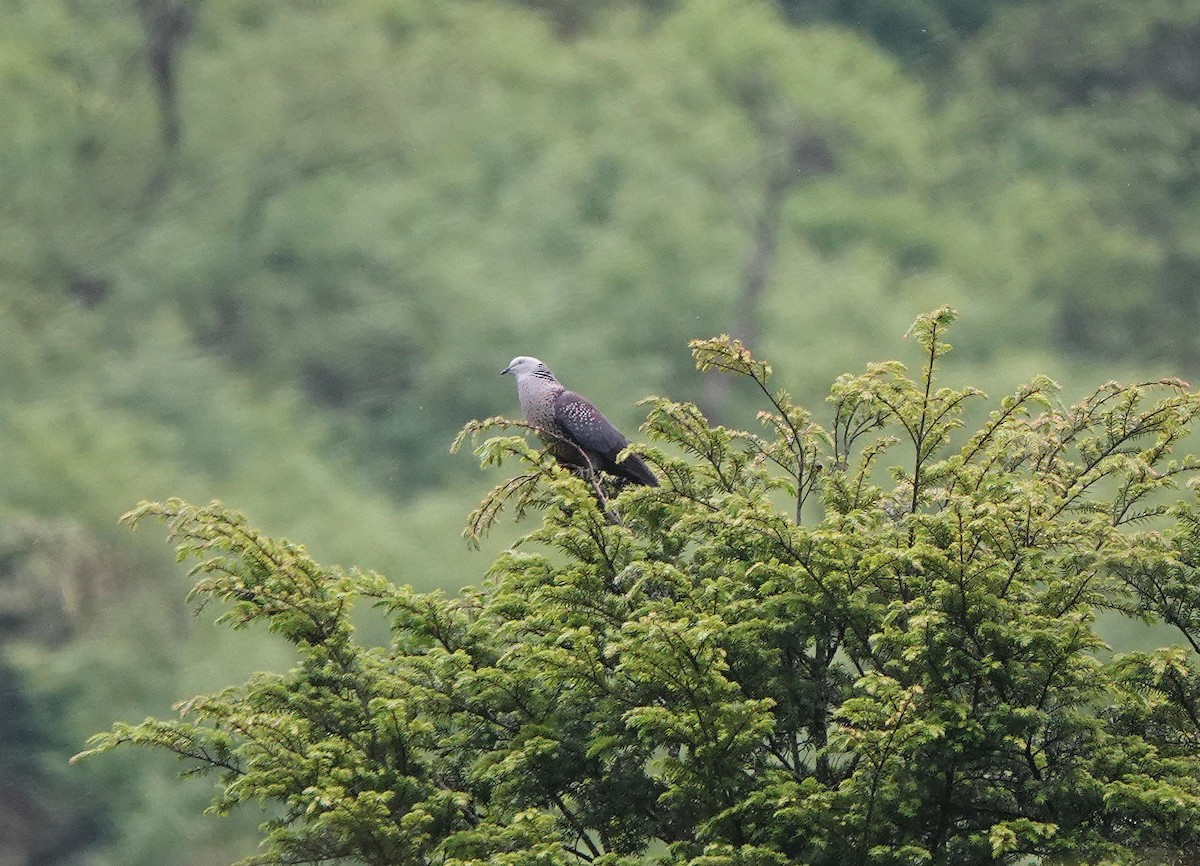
column 505, row 370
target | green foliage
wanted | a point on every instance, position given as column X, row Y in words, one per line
column 928, row 31
column 357, row 216
column 911, row 674
column 371, row 202
column 1078, row 87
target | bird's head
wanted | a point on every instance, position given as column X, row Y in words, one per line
column 523, row 365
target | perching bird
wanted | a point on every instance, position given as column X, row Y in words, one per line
column 572, row 426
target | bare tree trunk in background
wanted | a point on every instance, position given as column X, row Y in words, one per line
column 755, row 273
column 807, row 157
column 166, row 25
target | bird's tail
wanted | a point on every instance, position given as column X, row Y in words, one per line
column 634, row 468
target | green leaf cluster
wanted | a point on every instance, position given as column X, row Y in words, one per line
column 371, row 202
column 867, row 642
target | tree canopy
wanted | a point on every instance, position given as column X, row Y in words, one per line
column 869, row 640
column 274, row 254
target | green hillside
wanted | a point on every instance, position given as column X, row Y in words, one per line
column 276, row 254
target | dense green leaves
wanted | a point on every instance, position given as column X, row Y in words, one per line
column 911, row 675
column 357, row 215
column 293, row 299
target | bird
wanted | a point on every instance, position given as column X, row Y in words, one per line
column 574, row 428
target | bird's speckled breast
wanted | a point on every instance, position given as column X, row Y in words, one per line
column 537, row 401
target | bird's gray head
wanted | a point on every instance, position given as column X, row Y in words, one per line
column 523, row 365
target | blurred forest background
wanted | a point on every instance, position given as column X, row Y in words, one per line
column 276, row 253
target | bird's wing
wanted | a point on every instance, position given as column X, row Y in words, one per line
column 586, row 426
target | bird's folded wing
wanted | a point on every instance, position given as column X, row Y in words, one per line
column 586, row 426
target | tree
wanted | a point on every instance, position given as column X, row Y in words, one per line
column 925, row 31
column 778, row 657
column 1091, row 83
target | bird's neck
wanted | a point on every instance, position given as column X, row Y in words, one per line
column 537, row 380
column 535, row 391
